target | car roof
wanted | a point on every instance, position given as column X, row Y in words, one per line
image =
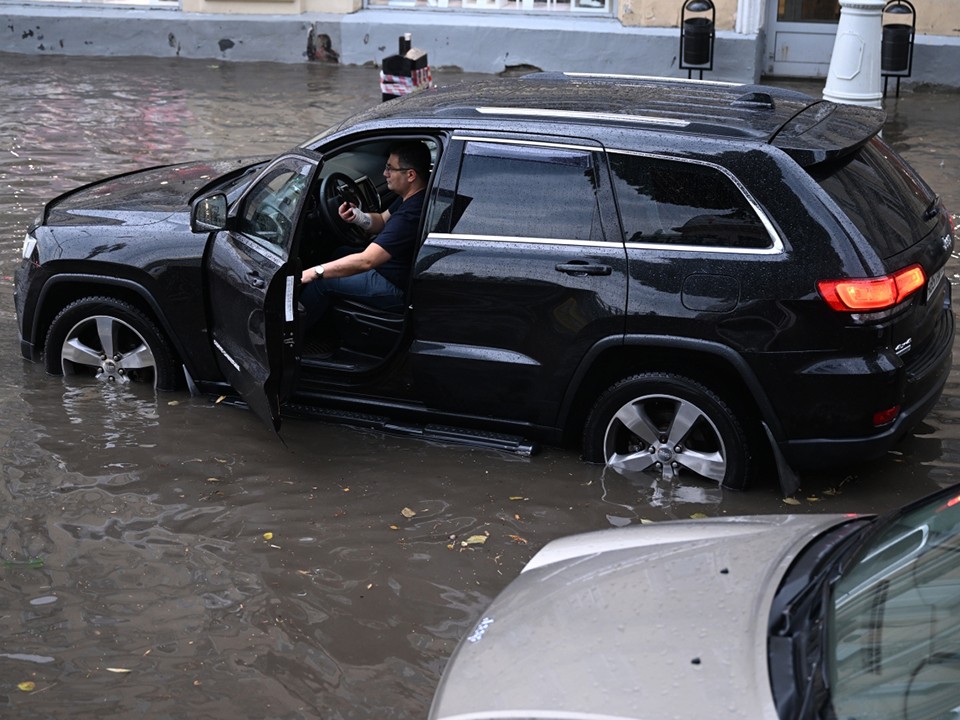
column 809, row 129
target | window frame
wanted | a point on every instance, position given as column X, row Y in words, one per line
column 776, row 246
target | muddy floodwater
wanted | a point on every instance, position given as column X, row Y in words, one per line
column 168, row 557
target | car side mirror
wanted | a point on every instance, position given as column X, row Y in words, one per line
column 209, row 214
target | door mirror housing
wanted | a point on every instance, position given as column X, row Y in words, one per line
column 209, row 214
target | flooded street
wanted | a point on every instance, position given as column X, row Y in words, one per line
column 163, row 556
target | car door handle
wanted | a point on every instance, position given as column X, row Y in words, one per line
column 582, row 267
column 255, row 279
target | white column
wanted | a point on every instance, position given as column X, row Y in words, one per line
column 748, row 17
column 854, row 74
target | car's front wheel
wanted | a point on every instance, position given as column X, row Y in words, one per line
column 110, row 340
column 667, row 425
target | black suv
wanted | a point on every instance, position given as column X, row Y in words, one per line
column 683, row 277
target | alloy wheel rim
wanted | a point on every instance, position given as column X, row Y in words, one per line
column 110, row 349
column 664, row 436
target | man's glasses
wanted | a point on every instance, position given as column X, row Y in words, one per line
column 388, row 169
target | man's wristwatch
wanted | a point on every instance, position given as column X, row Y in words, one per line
column 318, row 269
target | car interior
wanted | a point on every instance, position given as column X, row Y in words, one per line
column 353, row 336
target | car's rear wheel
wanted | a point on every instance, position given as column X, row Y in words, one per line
column 666, row 426
column 111, row 340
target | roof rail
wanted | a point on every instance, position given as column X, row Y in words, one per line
column 621, row 77
column 581, row 115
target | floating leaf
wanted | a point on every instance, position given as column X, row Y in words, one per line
column 474, row 540
column 645, row 521
column 519, row 540
column 813, row 498
column 28, row 686
column 698, row 516
column 220, row 399
column 173, row 402
column 268, row 536
column 518, row 497
column 394, row 527
column 34, row 563
column 119, row 670
column 791, row 501
column 408, row 513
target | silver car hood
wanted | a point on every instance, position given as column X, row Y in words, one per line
column 650, row 621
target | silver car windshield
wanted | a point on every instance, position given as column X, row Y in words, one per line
column 895, row 621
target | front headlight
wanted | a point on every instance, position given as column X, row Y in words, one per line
column 29, row 246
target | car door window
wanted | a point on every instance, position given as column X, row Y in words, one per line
column 670, row 202
column 526, row 191
column 270, row 210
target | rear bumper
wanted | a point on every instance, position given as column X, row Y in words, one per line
column 922, row 385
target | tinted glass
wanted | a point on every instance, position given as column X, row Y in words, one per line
column 895, row 622
column 881, row 194
column 683, row 203
column 525, row 191
column 270, row 212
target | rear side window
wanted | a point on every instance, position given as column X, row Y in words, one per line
column 881, row 195
column 526, row 191
column 672, row 202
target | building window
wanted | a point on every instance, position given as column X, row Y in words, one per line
column 596, row 7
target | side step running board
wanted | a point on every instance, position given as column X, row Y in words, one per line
column 434, row 433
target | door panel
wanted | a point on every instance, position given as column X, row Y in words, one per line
column 518, row 280
column 252, row 277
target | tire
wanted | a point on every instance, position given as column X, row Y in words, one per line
column 632, row 428
column 111, row 340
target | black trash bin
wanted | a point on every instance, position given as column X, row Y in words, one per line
column 696, row 40
column 895, row 47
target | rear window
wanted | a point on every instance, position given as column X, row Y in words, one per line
column 881, row 195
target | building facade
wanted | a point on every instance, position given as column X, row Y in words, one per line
column 752, row 38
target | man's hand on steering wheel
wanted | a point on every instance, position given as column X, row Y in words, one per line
column 335, row 190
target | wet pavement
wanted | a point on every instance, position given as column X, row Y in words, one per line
column 167, row 557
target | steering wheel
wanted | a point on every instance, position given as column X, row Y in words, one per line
column 336, row 189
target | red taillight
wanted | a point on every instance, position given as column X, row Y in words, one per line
column 872, row 294
column 885, row 417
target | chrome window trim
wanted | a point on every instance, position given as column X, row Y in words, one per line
column 532, row 143
column 468, row 239
column 259, row 246
column 703, row 249
column 777, row 246
column 581, row 115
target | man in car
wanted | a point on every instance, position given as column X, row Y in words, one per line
column 378, row 275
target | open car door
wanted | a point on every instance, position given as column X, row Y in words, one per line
column 252, row 275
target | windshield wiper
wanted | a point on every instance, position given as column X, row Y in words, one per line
column 797, row 639
column 932, row 209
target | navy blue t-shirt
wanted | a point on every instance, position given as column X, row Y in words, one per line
column 398, row 237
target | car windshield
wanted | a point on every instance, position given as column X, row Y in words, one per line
column 895, row 619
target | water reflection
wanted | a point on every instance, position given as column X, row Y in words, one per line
column 167, row 557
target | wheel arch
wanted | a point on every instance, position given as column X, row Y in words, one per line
column 713, row 364
column 65, row 288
